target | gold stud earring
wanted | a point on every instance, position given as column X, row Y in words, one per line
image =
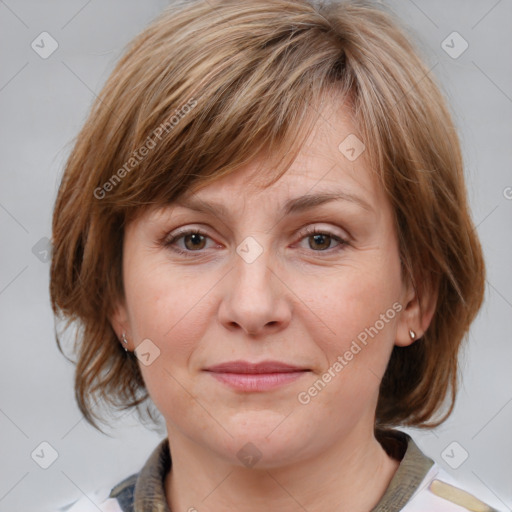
column 412, row 334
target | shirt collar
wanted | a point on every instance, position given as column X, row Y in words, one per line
column 413, row 468
column 145, row 491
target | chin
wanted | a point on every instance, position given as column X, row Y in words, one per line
column 270, row 438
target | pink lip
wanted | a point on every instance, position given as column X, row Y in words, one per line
column 262, row 367
column 263, row 376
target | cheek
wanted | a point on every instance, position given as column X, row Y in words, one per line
column 164, row 304
column 360, row 314
column 357, row 308
column 354, row 298
column 172, row 314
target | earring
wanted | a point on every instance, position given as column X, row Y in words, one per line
column 412, row 334
column 125, row 341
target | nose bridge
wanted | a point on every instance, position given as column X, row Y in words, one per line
column 252, row 274
column 254, row 299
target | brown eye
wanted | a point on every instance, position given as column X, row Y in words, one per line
column 191, row 241
column 194, row 241
column 320, row 241
column 187, row 242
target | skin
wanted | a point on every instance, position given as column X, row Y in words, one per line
column 302, row 301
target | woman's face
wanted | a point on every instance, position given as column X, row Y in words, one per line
column 256, row 285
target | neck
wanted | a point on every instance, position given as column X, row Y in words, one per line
column 334, row 480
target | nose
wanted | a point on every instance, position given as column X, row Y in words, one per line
column 255, row 297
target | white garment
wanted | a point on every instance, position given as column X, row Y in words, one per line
column 423, row 499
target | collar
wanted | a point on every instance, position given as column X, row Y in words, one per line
column 145, row 492
column 414, row 466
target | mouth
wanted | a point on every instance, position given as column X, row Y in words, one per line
column 240, row 366
column 250, row 377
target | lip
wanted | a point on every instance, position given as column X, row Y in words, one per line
column 245, row 367
column 250, row 377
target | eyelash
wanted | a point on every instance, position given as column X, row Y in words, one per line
column 309, row 232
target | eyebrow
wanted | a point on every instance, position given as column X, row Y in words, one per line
column 292, row 206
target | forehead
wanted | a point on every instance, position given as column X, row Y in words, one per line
column 333, row 158
column 322, row 166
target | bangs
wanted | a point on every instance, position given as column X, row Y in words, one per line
column 216, row 103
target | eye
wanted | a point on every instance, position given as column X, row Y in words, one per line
column 320, row 240
column 194, row 240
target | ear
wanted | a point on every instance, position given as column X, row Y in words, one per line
column 119, row 321
column 419, row 306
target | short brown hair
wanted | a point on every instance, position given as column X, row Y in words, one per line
column 205, row 89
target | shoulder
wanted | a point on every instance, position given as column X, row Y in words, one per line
column 441, row 492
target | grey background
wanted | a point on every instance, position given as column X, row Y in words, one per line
column 43, row 103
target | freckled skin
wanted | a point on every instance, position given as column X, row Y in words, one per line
column 294, row 303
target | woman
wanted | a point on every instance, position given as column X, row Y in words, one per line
column 263, row 228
